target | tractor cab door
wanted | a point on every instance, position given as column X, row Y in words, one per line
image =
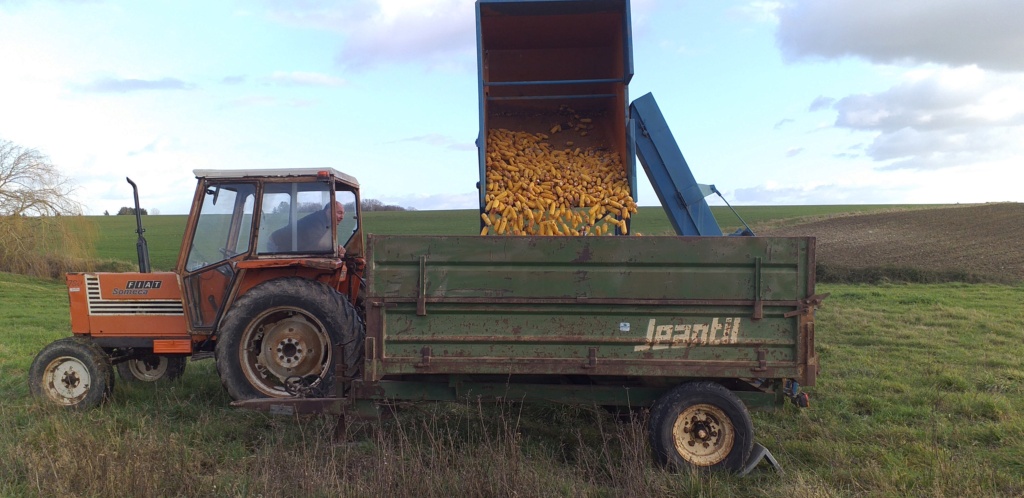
column 221, row 235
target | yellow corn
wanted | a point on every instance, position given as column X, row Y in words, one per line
column 534, row 189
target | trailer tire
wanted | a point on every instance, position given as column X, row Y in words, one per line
column 701, row 425
column 276, row 340
column 73, row 372
column 151, row 368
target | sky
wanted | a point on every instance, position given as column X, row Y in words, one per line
column 795, row 102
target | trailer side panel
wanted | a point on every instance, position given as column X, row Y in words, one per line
column 640, row 307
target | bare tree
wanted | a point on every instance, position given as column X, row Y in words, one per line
column 30, row 184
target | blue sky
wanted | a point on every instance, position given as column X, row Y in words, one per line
column 776, row 103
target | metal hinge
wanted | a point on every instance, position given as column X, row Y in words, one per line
column 425, row 353
column 591, row 359
column 762, row 360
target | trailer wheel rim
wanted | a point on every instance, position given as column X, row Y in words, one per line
column 284, row 346
column 703, row 435
column 66, row 380
column 148, row 369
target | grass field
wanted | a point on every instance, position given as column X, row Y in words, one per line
column 116, row 234
column 920, row 394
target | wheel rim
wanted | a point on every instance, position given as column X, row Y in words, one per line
column 703, row 435
column 149, row 368
column 284, row 347
column 66, row 380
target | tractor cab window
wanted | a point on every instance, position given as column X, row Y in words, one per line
column 296, row 218
column 224, row 225
column 348, row 225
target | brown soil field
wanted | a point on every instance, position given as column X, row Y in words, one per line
column 971, row 243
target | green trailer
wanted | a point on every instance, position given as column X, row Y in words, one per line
column 694, row 329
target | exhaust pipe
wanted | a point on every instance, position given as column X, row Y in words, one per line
column 140, row 246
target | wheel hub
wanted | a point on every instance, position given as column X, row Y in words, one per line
column 70, row 379
column 148, row 368
column 292, row 347
column 703, row 435
column 66, row 380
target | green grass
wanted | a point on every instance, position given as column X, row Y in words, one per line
column 116, row 238
column 921, row 393
column 116, row 234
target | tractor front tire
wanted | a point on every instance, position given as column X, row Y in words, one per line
column 278, row 340
column 701, row 425
column 151, row 368
column 73, row 372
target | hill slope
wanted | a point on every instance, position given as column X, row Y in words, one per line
column 972, row 243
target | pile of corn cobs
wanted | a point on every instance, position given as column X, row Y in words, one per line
column 535, row 189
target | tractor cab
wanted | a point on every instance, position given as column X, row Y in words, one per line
column 249, row 226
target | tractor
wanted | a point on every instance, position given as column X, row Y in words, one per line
column 268, row 280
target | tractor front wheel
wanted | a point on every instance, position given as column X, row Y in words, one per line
column 151, row 368
column 73, row 372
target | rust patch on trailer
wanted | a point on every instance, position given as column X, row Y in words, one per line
column 584, row 255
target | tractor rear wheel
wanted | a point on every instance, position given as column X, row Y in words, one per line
column 701, row 425
column 73, row 372
column 151, row 368
column 278, row 340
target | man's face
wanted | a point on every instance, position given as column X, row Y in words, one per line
column 339, row 213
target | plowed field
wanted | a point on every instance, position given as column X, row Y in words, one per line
column 961, row 243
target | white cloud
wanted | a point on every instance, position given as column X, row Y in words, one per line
column 268, row 101
column 760, row 11
column 821, row 102
column 125, row 85
column 938, row 118
column 439, row 140
column 769, row 194
column 953, row 32
column 436, row 33
column 299, row 78
column 783, row 122
column 935, row 117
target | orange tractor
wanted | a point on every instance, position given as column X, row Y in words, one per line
column 268, row 278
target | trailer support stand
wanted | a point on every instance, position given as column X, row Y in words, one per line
column 756, row 455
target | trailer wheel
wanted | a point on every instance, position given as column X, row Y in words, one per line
column 151, row 368
column 73, row 372
column 701, row 425
column 277, row 340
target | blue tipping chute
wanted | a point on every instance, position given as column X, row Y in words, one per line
column 679, row 193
